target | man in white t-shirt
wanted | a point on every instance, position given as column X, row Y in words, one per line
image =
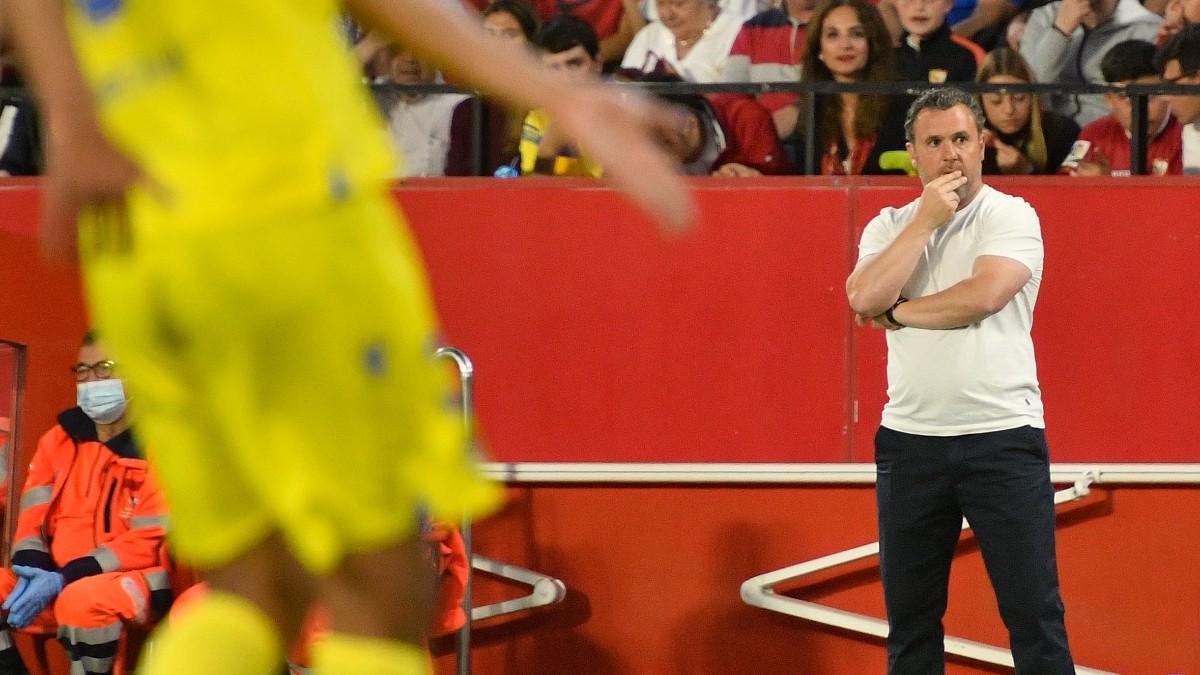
column 954, row 277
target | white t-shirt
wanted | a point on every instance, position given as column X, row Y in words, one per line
column 704, row 63
column 982, row 377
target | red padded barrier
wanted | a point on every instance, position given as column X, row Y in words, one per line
column 597, row 340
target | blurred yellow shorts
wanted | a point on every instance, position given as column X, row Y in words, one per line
column 281, row 376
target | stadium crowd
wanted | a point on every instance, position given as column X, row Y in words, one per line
column 1104, row 42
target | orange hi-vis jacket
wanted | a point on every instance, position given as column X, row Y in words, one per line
column 90, row 508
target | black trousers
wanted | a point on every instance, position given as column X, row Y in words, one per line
column 1000, row 481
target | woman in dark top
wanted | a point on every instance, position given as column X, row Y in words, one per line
column 848, row 42
column 1024, row 138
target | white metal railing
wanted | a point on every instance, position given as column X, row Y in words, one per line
column 545, row 590
column 765, row 472
column 760, row 591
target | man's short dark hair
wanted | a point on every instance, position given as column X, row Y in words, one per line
column 942, row 98
column 89, row 337
column 1127, row 61
column 1185, row 47
column 565, row 32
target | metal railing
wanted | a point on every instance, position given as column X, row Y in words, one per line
column 544, row 590
column 759, row 591
column 1139, row 94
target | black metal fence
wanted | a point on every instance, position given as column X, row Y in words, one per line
column 1138, row 94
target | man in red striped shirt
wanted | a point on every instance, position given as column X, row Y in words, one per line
column 1103, row 148
column 769, row 48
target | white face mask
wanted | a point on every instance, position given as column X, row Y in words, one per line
column 102, row 400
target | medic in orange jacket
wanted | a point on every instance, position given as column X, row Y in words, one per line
column 94, row 513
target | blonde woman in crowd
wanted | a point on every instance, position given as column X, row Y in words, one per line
column 1024, row 138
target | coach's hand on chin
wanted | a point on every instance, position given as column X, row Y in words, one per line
column 940, row 200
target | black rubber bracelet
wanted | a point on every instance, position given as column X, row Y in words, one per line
column 891, row 318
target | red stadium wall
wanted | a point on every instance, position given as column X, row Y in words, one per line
column 596, row 340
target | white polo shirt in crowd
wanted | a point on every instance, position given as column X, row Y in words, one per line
column 655, row 43
column 420, row 131
column 982, row 377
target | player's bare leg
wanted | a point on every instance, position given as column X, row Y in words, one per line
column 241, row 627
column 380, row 604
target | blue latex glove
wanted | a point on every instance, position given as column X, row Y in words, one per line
column 16, row 592
column 41, row 590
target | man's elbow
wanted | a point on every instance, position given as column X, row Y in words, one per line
column 863, row 304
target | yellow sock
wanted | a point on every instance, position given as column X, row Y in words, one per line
column 221, row 633
column 343, row 654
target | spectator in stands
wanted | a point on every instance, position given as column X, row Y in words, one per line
column 770, row 48
column 20, row 138
column 570, row 48
column 89, row 551
column 1022, row 137
column 1178, row 15
column 614, row 21
column 1065, row 41
column 515, row 24
column 722, row 135
column 691, row 39
column 847, row 42
column 928, row 51
column 981, row 21
column 1104, row 145
column 513, row 21
column 1179, row 63
column 20, row 134
column 743, row 9
column 419, row 124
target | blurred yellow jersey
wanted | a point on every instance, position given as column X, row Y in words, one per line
column 237, row 107
column 532, row 132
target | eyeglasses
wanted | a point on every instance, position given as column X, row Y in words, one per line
column 101, row 369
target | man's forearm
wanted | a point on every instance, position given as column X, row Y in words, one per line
column 612, row 48
column 876, row 284
column 445, row 33
column 1044, row 47
column 968, row 302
